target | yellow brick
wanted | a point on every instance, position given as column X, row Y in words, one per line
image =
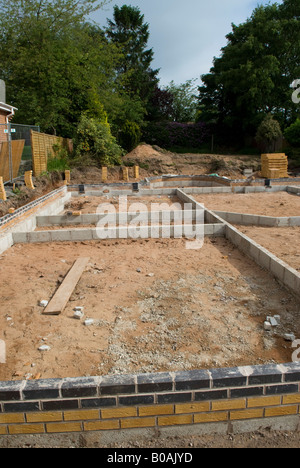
column 287, row 399
column 137, row 422
column 175, row 420
column 63, row 427
column 192, row 408
column 81, row 415
column 3, row 430
column 228, row 405
column 156, row 410
column 118, row 413
column 26, row 429
column 210, row 417
column 11, row 418
column 247, row 414
column 101, row 425
column 264, row 401
column 43, row 417
column 281, row 411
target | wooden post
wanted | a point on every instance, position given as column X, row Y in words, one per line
column 67, row 177
column 125, row 174
column 2, row 190
column 104, row 174
column 28, row 180
column 136, row 172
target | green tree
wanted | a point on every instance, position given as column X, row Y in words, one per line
column 130, row 135
column 184, row 105
column 252, row 77
column 292, row 134
column 129, row 32
column 94, row 140
column 53, row 61
column 268, row 133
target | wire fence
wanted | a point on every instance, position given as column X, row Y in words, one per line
column 15, row 150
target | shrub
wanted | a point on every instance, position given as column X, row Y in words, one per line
column 130, row 136
column 292, row 134
column 94, row 140
column 170, row 134
column 268, row 133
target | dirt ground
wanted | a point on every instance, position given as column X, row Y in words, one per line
column 155, row 306
column 280, row 204
column 153, row 161
column 90, row 204
column 281, row 241
column 264, row 438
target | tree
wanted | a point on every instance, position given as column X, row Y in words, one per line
column 252, row 77
column 53, row 62
column 160, row 107
column 268, row 133
column 184, row 106
column 94, row 140
column 292, row 134
column 131, row 34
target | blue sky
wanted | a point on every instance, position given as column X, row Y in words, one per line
column 186, row 34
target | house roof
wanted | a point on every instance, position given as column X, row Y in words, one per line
column 7, row 108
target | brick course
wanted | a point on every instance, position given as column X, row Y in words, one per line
column 149, row 400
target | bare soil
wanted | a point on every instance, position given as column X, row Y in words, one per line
column 156, row 306
column 95, row 204
column 279, row 204
column 281, row 241
column 264, row 438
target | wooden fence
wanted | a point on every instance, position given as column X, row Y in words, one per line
column 17, row 147
column 42, row 149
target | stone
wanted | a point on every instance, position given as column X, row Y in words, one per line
column 88, row 322
column 267, row 326
column 78, row 314
column 43, row 303
column 289, row 337
column 44, row 348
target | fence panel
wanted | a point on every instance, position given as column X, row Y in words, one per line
column 15, row 150
column 14, row 163
column 42, row 149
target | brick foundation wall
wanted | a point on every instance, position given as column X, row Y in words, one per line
column 149, row 400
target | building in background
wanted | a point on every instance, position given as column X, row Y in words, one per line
column 6, row 112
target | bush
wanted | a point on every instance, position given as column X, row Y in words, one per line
column 130, row 136
column 94, row 140
column 170, row 134
column 292, row 134
column 268, row 133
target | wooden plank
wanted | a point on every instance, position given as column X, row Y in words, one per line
column 64, row 292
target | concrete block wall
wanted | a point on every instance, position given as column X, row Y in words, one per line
column 26, row 222
column 125, row 232
column 257, row 220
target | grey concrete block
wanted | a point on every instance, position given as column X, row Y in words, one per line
column 283, row 222
column 277, row 268
column 295, row 221
column 6, row 242
column 291, row 279
column 81, row 234
column 254, row 251
column 61, row 235
column 36, row 237
column 264, row 258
